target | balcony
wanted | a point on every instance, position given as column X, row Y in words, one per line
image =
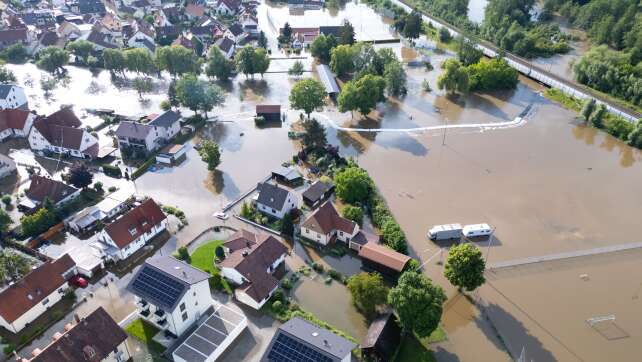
column 162, row 322
column 159, row 313
column 145, row 313
column 142, row 304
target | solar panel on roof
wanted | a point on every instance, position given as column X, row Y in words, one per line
column 158, row 287
column 287, row 349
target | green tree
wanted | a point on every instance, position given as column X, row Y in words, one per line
column 82, row 49
column 183, row 254
column 635, row 137
column 48, row 84
column 465, row 267
column 307, row 95
column 213, row 96
column 395, row 77
column 467, row 53
column 444, row 35
column 346, row 33
column 287, row 225
column 245, row 61
column 6, row 76
column 413, row 25
column 588, row 108
column 368, row 291
column 38, row 222
column 262, row 41
column 15, row 54
column 79, row 175
column 322, row 46
column 286, row 34
column 597, row 117
column 493, row 74
column 218, row 66
column 362, row 95
column 177, row 60
column 393, row 236
column 142, row 85
column 190, row 92
column 353, row 213
column 353, row 184
column 261, row 61
column 342, row 59
column 314, row 136
column 53, row 60
column 139, row 60
column 114, row 60
column 454, row 77
column 5, row 222
column 418, row 303
column 296, row 69
column 211, row 154
column 172, row 97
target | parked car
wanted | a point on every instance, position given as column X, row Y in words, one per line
column 79, row 281
column 471, row 231
column 445, row 232
column 221, row 215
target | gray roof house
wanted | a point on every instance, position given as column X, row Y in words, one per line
column 274, row 200
column 327, row 78
column 171, row 294
column 300, row 340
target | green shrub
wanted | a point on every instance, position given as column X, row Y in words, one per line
column 6, row 199
column 317, row 267
column 183, row 254
column 259, row 121
column 286, row 284
column 8, row 349
column 336, row 275
column 619, row 127
column 112, row 189
column 112, row 171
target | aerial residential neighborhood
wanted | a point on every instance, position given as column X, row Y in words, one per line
column 320, row 180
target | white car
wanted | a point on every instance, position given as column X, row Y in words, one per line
column 221, row 215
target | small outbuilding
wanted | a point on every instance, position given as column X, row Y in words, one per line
column 171, row 155
column 269, row 112
column 317, row 193
column 382, row 340
column 382, row 259
column 328, row 79
column 288, row 175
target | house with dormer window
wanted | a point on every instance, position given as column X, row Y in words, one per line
column 129, row 233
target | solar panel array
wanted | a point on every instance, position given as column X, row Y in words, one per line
column 209, row 335
column 288, row 349
column 158, row 288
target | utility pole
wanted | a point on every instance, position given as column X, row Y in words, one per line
column 443, row 141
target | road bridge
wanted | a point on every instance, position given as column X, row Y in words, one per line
column 530, row 70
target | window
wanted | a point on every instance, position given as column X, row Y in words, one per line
column 183, row 307
column 273, row 211
column 184, row 316
column 45, row 301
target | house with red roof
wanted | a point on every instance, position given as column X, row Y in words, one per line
column 325, row 225
column 15, row 123
column 42, row 188
column 28, row 298
column 61, row 132
column 133, row 230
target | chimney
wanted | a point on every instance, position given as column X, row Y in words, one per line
column 325, row 343
column 76, row 317
column 184, row 274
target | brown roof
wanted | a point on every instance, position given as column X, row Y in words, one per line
column 20, row 297
column 139, row 220
column 268, row 108
column 385, row 256
column 240, row 240
column 13, row 35
column 326, row 219
column 61, row 128
column 13, row 118
column 252, row 262
column 42, row 187
column 80, row 342
column 195, row 10
column 182, row 40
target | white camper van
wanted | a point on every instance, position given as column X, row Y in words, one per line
column 445, row 232
column 471, row 231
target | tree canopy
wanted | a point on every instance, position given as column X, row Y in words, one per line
column 82, row 49
column 368, row 291
column 314, row 136
column 465, row 267
column 418, row 303
column 53, row 59
column 218, row 66
column 493, row 74
column 139, row 60
column 322, row 46
column 346, row 33
column 114, row 60
column 79, row 175
column 198, row 95
column 362, row 95
column 454, row 78
column 250, row 60
column 353, row 213
column 307, row 95
column 353, row 184
column 210, row 153
column 177, row 60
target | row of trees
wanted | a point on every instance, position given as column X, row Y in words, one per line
column 599, row 117
column 196, row 94
column 175, row 59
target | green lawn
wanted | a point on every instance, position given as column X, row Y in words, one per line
column 412, row 350
column 203, row 256
column 145, row 332
column 439, row 335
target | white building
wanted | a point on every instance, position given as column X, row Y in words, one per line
column 274, row 200
column 15, row 123
column 250, row 262
column 60, row 132
column 96, row 337
column 7, row 166
column 171, row 294
column 42, row 188
column 152, row 135
column 114, row 203
column 28, row 298
column 13, row 96
column 133, row 230
column 326, row 225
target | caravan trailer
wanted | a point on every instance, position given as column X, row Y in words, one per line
column 471, row 231
column 445, row 232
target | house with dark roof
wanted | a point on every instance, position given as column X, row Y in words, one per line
column 318, row 192
column 236, row 33
column 250, row 262
column 28, row 298
column 142, row 35
column 61, row 132
column 130, row 232
column 13, row 36
column 270, row 112
column 184, row 41
column 170, row 294
column 13, row 97
column 77, row 342
column 152, row 135
column 300, row 340
column 42, row 188
column 287, row 175
column 383, row 338
column 15, row 123
column 274, row 200
column 383, row 259
column 325, row 225
column 228, row 7
column 227, row 46
column 86, row 7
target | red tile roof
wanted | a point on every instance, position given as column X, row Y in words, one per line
column 268, row 108
column 385, row 256
column 140, row 220
column 20, row 297
column 61, row 129
column 326, row 219
column 42, row 187
column 13, row 118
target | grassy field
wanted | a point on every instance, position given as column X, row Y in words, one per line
column 412, row 350
column 203, row 256
column 144, row 332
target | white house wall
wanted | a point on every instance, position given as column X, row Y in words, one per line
column 35, row 311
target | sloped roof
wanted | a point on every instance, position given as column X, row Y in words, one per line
column 20, row 297
column 13, row 118
column 61, row 129
column 135, row 223
column 73, row 345
column 166, row 120
column 42, row 187
column 325, row 219
column 385, row 256
column 6, row 88
column 195, row 10
column 236, row 29
column 13, row 35
column 225, row 44
column 272, row 196
column 268, row 108
column 133, row 130
column 317, row 190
